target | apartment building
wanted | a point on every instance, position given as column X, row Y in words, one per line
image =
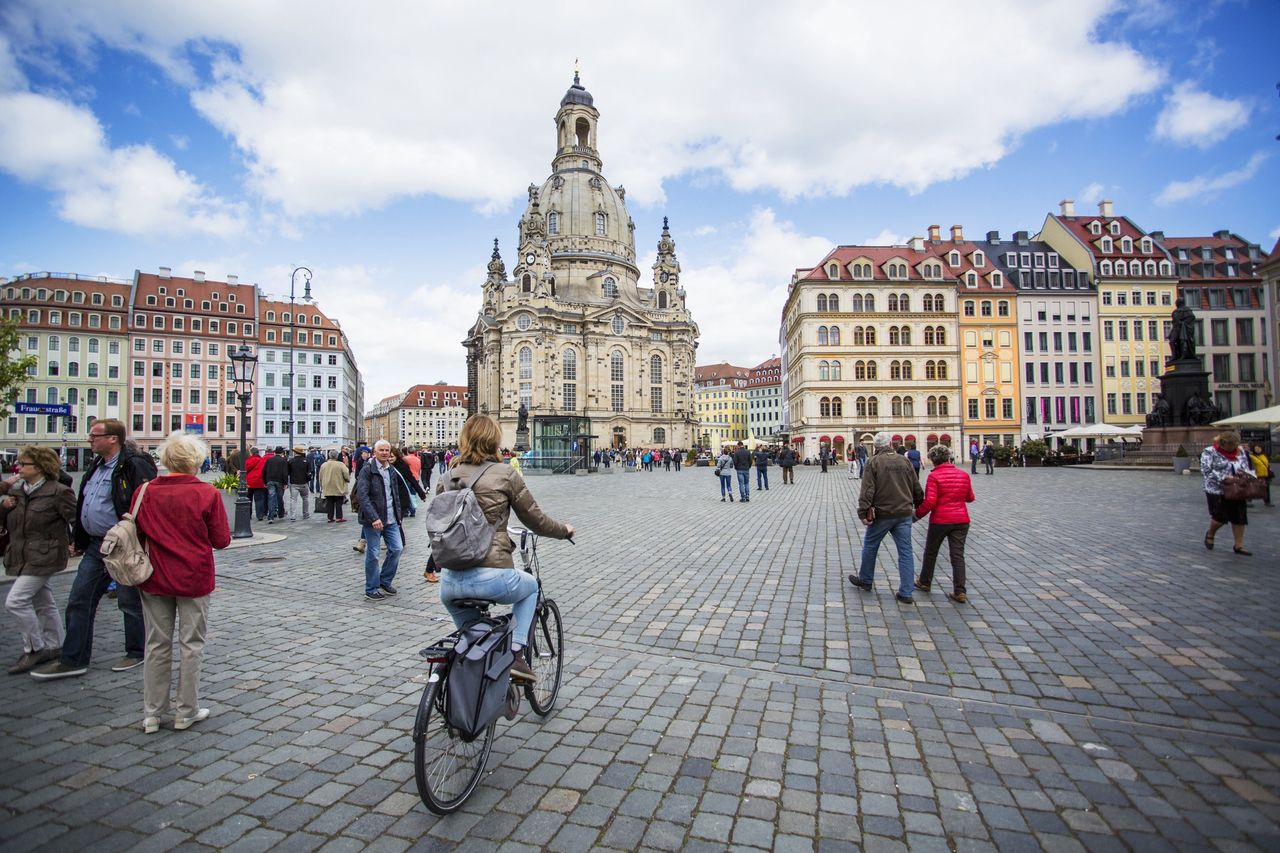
column 720, row 404
column 764, row 402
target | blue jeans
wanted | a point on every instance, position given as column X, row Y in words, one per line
column 259, row 498
column 389, row 535
column 275, row 500
column 505, row 586
column 744, row 484
column 900, row 529
column 82, row 606
column 726, row 485
column 762, row 477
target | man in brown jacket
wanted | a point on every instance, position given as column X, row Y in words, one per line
column 890, row 494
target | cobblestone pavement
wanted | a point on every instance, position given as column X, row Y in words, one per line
column 1111, row 685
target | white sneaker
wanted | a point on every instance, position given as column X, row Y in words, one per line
column 151, row 725
column 184, row 723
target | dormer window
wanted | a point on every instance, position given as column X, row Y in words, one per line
column 1115, row 227
column 1095, row 227
column 997, row 280
column 1126, row 245
column 1104, row 268
column 979, row 259
column 1105, row 245
column 610, row 288
column 1146, row 245
column 1053, row 261
column 953, row 259
column 971, row 279
column 833, row 271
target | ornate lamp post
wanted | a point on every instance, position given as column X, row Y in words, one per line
column 243, row 364
column 306, row 297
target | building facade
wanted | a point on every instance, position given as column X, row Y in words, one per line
column 1136, row 291
column 720, row 395
column 871, row 344
column 1269, row 274
column 572, row 333
column 77, row 328
column 1058, row 330
column 1218, row 278
column 764, row 402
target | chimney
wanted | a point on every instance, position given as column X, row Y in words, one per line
column 233, row 280
column 1021, row 238
column 1222, row 235
column 1067, row 207
column 993, row 237
column 917, row 243
column 1104, row 209
column 1158, row 236
column 935, row 233
column 197, row 275
column 957, row 234
column 165, row 272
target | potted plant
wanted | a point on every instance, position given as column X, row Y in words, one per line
column 1002, row 454
column 1034, row 451
column 227, row 482
column 1181, row 460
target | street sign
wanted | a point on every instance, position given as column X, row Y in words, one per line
column 55, row 409
column 193, row 424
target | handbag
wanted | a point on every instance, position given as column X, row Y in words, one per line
column 413, row 497
column 1241, row 487
column 123, row 552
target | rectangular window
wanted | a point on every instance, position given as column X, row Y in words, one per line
column 1126, row 404
column 1086, row 341
column 1044, row 373
column 1108, row 330
column 1220, row 332
column 1137, row 330
column 157, row 395
column 1044, row 342
column 1031, row 373
column 1245, row 361
column 1006, row 408
column 1057, row 341
column 1222, row 367
column 1124, row 369
column 973, row 410
column 1139, row 369
column 137, row 423
column 1111, row 404
column 1155, row 367
column 1142, row 403
column 1124, row 330
column 1028, row 341
column 615, row 397
column 1088, row 372
column 1071, row 341
column 1244, row 331
column 655, row 399
column 1057, row 372
column 990, row 408
column 157, row 423
column 1073, row 372
column 1031, row 410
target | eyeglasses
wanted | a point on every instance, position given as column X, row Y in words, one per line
column 94, row 435
column 21, row 463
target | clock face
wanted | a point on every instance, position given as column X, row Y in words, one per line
column 665, row 276
column 530, row 258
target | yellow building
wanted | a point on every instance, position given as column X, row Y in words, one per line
column 721, row 397
column 1137, row 287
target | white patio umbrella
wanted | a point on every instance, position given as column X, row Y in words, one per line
column 1269, row 417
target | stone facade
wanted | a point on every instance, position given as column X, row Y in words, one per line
column 571, row 332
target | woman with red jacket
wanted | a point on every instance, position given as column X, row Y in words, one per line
column 945, row 495
column 181, row 520
column 254, row 482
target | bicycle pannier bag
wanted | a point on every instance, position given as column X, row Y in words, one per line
column 1242, row 487
column 460, row 536
column 476, row 692
column 122, row 551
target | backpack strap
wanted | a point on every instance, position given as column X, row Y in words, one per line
column 479, row 474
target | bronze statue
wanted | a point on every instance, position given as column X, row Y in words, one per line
column 1200, row 412
column 1161, row 412
column 522, row 416
column 1182, row 333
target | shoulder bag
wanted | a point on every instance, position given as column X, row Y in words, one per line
column 122, row 551
column 1242, row 487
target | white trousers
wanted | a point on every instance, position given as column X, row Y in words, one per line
column 30, row 601
column 192, row 617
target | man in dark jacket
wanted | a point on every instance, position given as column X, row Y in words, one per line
column 299, row 473
column 989, row 457
column 106, row 491
column 275, row 474
column 824, row 456
column 378, row 503
column 428, row 460
column 761, row 457
column 742, row 466
column 787, row 462
column 887, row 503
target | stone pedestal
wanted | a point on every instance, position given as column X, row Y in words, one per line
column 522, row 440
column 1165, row 440
column 1178, row 385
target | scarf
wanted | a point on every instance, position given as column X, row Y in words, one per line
column 1232, row 455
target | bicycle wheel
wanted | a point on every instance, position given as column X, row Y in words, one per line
column 446, row 768
column 545, row 654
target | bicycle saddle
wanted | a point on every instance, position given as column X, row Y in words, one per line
column 478, row 603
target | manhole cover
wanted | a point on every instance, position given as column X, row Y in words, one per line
column 268, row 560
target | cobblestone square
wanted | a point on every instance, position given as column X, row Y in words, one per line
column 1110, row 685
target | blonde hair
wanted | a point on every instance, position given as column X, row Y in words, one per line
column 1229, row 436
column 43, row 458
column 479, row 440
column 183, row 453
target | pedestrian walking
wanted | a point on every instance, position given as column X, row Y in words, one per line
column 974, row 454
column 1225, row 458
column 275, row 473
column 410, row 489
column 724, row 473
column 946, row 495
column 851, row 456
column 677, row 457
column 787, row 462
column 299, row 473
column 861, row 455
column 913, row 456
column 426, row 464
column 886, row 504
column 499, row 491
column 761, row 458
column 37, row 510
column 989, row 458
column 742, row 467
column 1262, row 467
column 334, row 482
column 824, row 456
column 257, row 486
column 380, row 510
column 182, row 520
column 106, row 491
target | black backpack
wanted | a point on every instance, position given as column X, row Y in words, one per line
column 476, row 692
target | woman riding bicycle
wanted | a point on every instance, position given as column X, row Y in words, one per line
column 498, row 490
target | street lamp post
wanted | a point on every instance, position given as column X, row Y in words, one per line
column 243, row 363
column 306, row 297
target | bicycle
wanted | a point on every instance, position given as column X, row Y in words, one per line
column 448, row 768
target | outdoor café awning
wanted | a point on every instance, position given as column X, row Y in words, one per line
column 1269, row 417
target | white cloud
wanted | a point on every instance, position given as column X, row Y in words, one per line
column 1204, row 187
column 179, row 141
column 1275, row 233
column 1193, row 117
column 359, row 108
column 1091, row 193
column 736, row 300
column 886, row 237
column 131, row 190
column 704, row 230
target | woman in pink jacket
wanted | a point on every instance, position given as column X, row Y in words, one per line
column 945, row 495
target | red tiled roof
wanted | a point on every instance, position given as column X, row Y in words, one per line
column 877, row 255
column 441, row 392
column 723, row 370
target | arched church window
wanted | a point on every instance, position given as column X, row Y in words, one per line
column 655, row 369
column 599, row 224
column 659, row 435
column 662, row 299
column 569, row 364
column 610, row 288
column 583, row 129
column 553, row 223
column 526, row 363
column 616, row 367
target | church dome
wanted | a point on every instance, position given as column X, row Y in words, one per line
column 577, row 94
column 589, row 215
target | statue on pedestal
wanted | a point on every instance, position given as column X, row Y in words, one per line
column 1161, row 412
column 522, row 419
column 1200, row 412
column 1182, row 333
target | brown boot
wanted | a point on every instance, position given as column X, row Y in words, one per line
column 520, row 670
column 958, row 597
column 26, row 663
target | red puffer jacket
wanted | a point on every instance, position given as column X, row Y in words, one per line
column 253, row 472
column 945, row 495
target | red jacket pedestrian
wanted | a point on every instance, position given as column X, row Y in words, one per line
column 946, row 492
column 182, row 520
column 253, row 472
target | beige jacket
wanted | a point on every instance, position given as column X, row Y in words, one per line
column 334, row 479
column 499, row 491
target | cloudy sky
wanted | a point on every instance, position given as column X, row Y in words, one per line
column 385, row 145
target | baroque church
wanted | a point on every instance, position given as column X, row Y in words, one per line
column 596, row 359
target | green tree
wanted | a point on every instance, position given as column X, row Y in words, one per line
column 13, row 371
